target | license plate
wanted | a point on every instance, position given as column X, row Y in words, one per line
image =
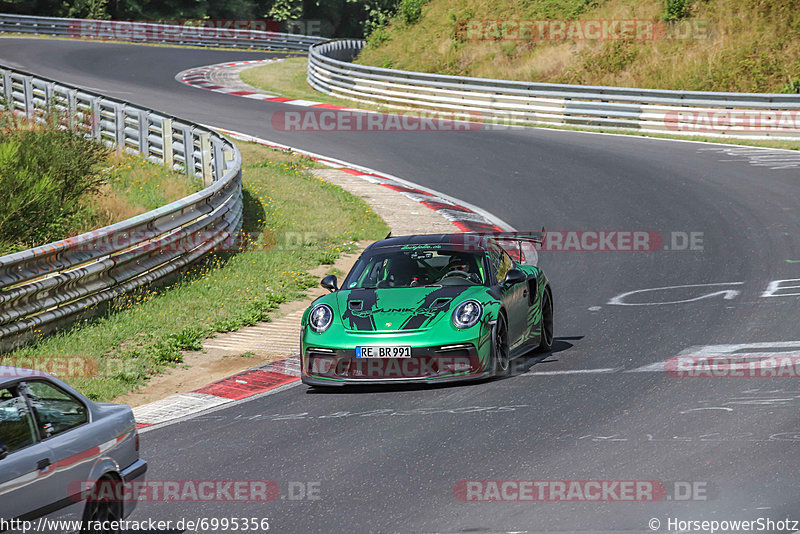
column 389, row 351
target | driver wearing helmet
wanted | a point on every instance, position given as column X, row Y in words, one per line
column 458, row 263
column 464, row 266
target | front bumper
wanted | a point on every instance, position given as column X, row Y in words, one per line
column 323, row 366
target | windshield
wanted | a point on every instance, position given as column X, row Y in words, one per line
column 414, row 267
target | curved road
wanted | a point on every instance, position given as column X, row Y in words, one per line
column 388, row 459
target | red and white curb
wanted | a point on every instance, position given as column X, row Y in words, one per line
column 240, row 386
column 200, row 78
column 465, row 216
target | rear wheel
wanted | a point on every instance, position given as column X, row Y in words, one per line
column 546, row 339
column 500, row 347
column 103, row 508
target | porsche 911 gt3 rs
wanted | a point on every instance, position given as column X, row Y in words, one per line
column 429, row 308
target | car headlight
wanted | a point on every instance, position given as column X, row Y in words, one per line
column 467, row 314
column 320, row 318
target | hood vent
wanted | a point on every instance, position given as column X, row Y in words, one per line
column 441, row 302
column 355, row 305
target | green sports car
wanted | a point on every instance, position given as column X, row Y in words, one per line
column 429, row 308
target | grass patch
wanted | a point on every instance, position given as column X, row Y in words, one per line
column 298, row 222
column 711, row 45
column 131, row 186
column 287, row 78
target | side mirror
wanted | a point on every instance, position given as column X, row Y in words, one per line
column 513, row 277
column 330, row 283
column 3, row 451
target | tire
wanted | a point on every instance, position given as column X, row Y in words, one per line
column 546, row 338
column 500, row 353
column 102, row 506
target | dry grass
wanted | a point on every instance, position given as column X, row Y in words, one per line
column 133, row 186
column 753, row 46
column 109, row 208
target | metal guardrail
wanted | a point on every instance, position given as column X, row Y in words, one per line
column 43, row 288
column 733, row 115
column 142, row 32
column 330, row 70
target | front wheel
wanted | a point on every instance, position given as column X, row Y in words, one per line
column 546, row 338
column 500, row 347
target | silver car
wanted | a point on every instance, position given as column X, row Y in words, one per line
column 57, row 448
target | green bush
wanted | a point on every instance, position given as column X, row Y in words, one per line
column 792, row 86
column 379, row 35
column 44, row 171
column 410, row 11
column 676, row 10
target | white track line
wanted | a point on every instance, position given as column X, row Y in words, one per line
column 574, row 372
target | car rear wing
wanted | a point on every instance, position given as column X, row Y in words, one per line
column 521, row 246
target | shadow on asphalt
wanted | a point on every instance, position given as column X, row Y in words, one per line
column 518, row 366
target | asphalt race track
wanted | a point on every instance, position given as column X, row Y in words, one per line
column 388, row 459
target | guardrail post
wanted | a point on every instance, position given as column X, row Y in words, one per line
column 144, row 133
column 95, row 118
column 119, row 126
column 219, row 159
column 166, row 142
column 8, row 90
column 228, row 156
column 188, row 150
column 205, row 158
column 72, row 109
column 27, row 92
column 48, row 96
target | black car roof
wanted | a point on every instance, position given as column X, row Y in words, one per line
column 430, row 239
